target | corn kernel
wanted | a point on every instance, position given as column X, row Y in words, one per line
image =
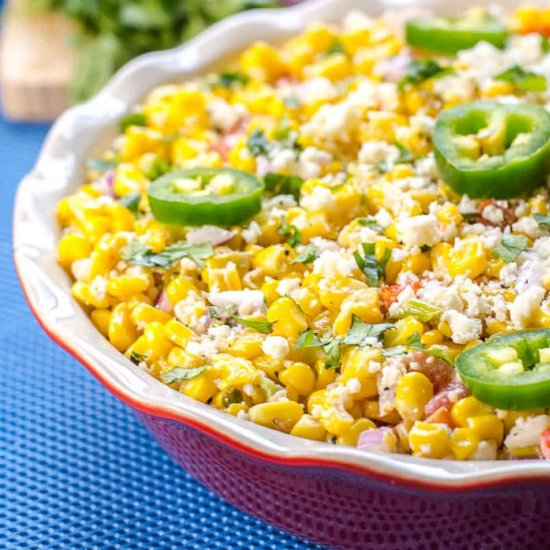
column 351, row 436
column 309, row 428
column 122, row 331
column 414, row 390
column 487, row 426
column 464, row 442
column 280, row 415
column 467, row 407
column 429, row 440
column 299, row 376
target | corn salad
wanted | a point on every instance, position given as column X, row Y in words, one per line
column 336, row 312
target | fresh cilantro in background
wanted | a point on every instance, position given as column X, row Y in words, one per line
column 131, row 202
column 290, row 232
column 133, row 119
column 111, row 32
column 257, row 143
column 360, row 332
column 229, row 79
column 307, row 340
column 282, row 184
column 405, row 156
column 139, row 254
column 261, row 326
column 542, row 220
column 372, row 269
column 510, row 247
column 137, row 358
column 101, row 165
column 420, row 70
column 525, row 81
column 179, row 374
column 308, row 255
column 371, row 223
column 335, row 47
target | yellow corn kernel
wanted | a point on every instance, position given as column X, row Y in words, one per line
column 466, row 408
column 363, row 303
column 318, row 37
column 429, row 440
column 101, row 319
column 414, row 390
column 432, row 337
column 468, row 258
column 95, row 227
column 496, row 327
column 299, row 376
column 371, row 409
column 271, row 260
column 404, row 329
column 538, row 205
column 334, row 291
column 234, row 371
column 269, row 289
column 201, row 388
column 225, row 278
column 101, row 264
column 178, row 289
column 124, row 286
column 280, row 415
column 335, row 420
column 439, row 255
column 334, row 67
column 248, row 345
column 235, row 408
column 497, row 88
column 122, row 331
column 487, row 426
column 494, row 265
column 308, row 301
column 177, row 357
column 177, row 332
column 128, row 179
column 288, row 320
column 464, row 442
column 449, row 214
column 159, row 345
column 324, row 376
column 262, row 62
column 88, row 295
column 351, row 436
column 309, row 428
column 72, row 247
column 139, row 140
column 417, row 263
column 143, row 314
column 356, row 366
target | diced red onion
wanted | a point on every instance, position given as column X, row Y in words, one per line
column 375, row 439
column 446, row 397
column 209, row 234
column 163, row 303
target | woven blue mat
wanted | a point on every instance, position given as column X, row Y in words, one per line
column 77, row 471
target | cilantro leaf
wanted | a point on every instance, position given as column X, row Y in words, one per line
column 101, row 165
column 257, row 143
column 131, row 202
column 420, row 70
column 371, row 223
column 394, row 352
column 179, row 374
column 282, row 184
column 440, row 353
column 542, row 220
column 510, row 247
column 335, row 47
column 371, row 268
column 360, row 332
column 261, row 326
column 137, row 358
column 308, row 255
column 332, row 354
column 414, row 342
column 229, row 79
column 405, row 156
column 291, row 101
column 525, row 81
column 307, row 340
column 132, row 119
column 420, row 310
column 290, row 232
column 139, row 254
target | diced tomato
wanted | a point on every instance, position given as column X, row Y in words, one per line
column 441, row 416
column 545, row 443
column 441, row 400
column 389, row 293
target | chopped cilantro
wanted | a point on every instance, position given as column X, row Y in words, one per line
column 371, row 223
column 261, row 326
column 542, row 220
column 179, row 374
column 510, row 247
column 229, row 79
column 307, row 340
column 139, row 254
column 291, row 101
column 257, row 143
column 360, row 332
column 282, row 184
column 373, row 269
column 420, row 70
column 133, row 119
column 137, row 358
column 131, row 202
column 420, row 310
column 308, row 255
column 290, row 232
column 331, row 346
column 101, row 165
column 335, row 47
column 525, row 81
column 414, row 342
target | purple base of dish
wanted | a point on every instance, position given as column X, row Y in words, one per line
column 354, row 511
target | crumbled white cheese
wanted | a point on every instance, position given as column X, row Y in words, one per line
column 419, row 230
column 287, row 286
column 311, row 162
column 526, row 431
column 334, row 123
column 376, row 152
column 276, row 347
column 493, row 214
column 525, row 305
column 251, row 233
column 463, row 329
column 528, row 226
column 247, row 301
column 333, row 264
column 486, row 450
column 81, row 269
column 386, row 383
column 321, row 198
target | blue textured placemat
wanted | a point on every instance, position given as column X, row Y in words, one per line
column 77, row 471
